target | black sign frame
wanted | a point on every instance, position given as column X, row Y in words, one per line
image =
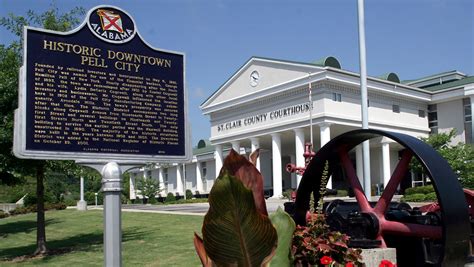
column 178, row 151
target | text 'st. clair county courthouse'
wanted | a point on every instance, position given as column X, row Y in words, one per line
column 265, row 105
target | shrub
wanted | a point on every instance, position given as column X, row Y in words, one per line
column 189, row 194
column 11, row 194
column 51, row 206
column 410, row 191
column 89, row 197
column 342, row 193
column 186, row 201
column 70, row 202
column 316, row 244
column 431, row 197
column 32, row 208
column 56, row 206
column 3, row 214
column 31, row 198
column 419, row 190
column 414, row 198
column 123, row 199
column 148, row 187
column 152, row 200
column 23, row 210
column 287, row 194
column 70, row 199
column 170, row 197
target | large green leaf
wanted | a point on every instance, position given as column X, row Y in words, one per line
column 285, row 227
column 234, row 232
column 238, row 166
column 200, row 250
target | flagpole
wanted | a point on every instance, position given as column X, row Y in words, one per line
column 310, row 109
column 363, row 92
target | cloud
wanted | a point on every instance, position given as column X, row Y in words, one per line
column 199, row 92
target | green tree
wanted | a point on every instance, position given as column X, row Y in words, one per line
column 459, row 156
column 148, row 188
column 10, row 57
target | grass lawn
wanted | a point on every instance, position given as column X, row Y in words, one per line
column 149, row 239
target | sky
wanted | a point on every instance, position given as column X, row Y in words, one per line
column 413, row 38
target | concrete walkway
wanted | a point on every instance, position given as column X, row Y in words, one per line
column 200, row 209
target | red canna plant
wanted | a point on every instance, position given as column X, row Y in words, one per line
column 236, row 229
column 315, row 243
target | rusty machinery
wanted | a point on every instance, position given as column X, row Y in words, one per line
column 435, row 235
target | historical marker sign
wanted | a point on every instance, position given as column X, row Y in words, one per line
column 101, row 92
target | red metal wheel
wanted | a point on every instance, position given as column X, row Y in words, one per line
column 454, row 230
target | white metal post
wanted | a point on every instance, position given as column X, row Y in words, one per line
column 310, row 96
column 82, row 188
column 81, row 204
column 112, row 187
column 363, row 92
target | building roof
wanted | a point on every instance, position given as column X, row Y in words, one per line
column 329, row 61
column 391, row 76
column 203, row 147
column 432, row 76
column 452, row 84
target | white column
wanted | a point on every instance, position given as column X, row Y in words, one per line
column 386, row 161
column 185, row 186
column 472, row 120
column 132, row 191
column 161, row 181
column 276, row 159
column 236, row 146
column 360, row 164
column 325, row 133
column 199, row 177
column 294, row 182
column 256, row 145
column 179, row 179
column 219, row 159
column 299, row 151
column 143, row 177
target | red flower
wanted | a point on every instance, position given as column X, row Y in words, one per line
column 325, row 260
column 349, row 264
column 386, row 263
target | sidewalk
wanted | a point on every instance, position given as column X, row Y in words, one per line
column 200, row 209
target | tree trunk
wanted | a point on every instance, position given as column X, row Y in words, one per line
column 40, row 222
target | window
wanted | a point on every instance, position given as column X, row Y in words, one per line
column 433, row 118
column 148, row 174
column 165, row 177
column 337, row 97
column 421, row 113
column 204, row 170
column 467, row 110
column 396, row 108
column 468, row 120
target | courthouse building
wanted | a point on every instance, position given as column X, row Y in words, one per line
column 266, row 105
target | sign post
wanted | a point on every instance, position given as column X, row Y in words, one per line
column 112, row 187
column 102, row 96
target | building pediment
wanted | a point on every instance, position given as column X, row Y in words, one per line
column 256, row 76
